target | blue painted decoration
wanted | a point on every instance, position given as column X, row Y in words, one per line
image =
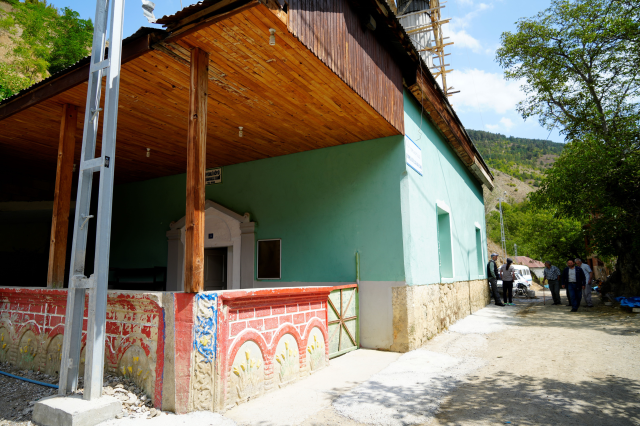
column 205, row 327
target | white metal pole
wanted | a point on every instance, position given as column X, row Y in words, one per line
column 94, row 364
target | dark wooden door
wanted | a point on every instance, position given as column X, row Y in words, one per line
column 215, row 269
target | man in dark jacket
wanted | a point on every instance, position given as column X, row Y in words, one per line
column 574, row 280
column 492, row 274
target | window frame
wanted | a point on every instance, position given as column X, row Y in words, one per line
column 441, row 209
column 258, row 259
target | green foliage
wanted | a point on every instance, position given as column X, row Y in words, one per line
column 599, row 181
column 537, row 233
column 73, row 37
column 44, row 41
column 511, row 155
column 10, row 81
column 579, row 63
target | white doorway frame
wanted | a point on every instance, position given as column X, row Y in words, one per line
column 223, row 228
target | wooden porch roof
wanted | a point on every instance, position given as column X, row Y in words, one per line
column 327, row 81
column 283, row 96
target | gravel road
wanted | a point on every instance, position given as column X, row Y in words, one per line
column 539, row 365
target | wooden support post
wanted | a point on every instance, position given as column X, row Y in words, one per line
column 196, row 164
column 62, row 197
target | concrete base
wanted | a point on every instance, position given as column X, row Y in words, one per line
column 75, row 411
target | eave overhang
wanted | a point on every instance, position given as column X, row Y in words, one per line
column 421, row 83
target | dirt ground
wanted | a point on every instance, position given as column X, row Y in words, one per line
column 531, row 364
column 542, row 365
column 551, row 367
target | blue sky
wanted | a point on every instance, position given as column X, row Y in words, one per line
column 486, row 102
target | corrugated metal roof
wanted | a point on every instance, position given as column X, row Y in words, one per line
column 142, row 31
column 187, row 11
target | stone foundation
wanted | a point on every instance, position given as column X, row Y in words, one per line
column 422, row 311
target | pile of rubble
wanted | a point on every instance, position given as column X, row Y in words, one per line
column 135, row 402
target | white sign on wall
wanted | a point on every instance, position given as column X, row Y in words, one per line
column 413, row 154
column 213, row 176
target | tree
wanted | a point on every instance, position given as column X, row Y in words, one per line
column 579, row 62
column 72, row 41
column 43, row 41
column 598, row 181
column 537, row 233
column 31, row 37
column 10, row 82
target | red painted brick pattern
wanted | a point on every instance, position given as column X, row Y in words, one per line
column 263, row 312
column 271, row 323
column 246, row 313
column 298, row 319
column 292, row 308
column 237, row 327
column 131, row 319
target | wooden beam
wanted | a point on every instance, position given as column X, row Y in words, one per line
column 207, row 22
column 62, row 197
column 195, row 16
column 196, row 163
column 429, row 49
column 426, row 92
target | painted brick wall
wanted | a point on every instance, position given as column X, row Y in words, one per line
column 267, row 319
column 32, row 326
column 264, row 339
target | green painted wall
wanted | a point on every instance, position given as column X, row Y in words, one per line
column 445, row 179
column 325, row 205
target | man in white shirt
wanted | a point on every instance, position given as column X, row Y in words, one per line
column 588, row 274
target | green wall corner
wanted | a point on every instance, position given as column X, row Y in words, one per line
column 447, row 181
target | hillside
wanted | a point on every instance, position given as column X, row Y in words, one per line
column 37, row 40
column 522, row 158
column 516, row 190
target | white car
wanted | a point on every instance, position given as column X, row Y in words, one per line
column 522, row 283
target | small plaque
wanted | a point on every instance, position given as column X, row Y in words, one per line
column 213, row 175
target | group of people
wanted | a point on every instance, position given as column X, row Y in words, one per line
column 507, row 273
column 576, row 279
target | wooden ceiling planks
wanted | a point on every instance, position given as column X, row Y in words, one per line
column 285, row 98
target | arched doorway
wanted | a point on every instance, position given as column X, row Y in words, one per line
column 224, row 229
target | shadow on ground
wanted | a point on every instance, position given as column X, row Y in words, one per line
column 609, row 320
column 521, row 400
column 524, row 400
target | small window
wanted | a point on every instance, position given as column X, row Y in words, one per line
column 269, row 259
column 444, row 244
column 479, row 252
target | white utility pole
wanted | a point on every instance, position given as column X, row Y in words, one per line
column 107, row 12
column 502, row 237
